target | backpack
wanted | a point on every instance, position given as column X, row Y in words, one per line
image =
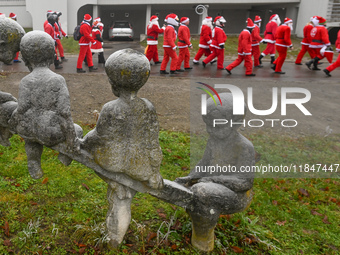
column 76, row 33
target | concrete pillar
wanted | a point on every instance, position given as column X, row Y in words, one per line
column 292, row 13
column 95, row 12
column 147, row 17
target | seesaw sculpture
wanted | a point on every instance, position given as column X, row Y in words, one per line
column 123, row 149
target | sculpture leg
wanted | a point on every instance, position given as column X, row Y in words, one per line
column 5, row 134
column 203, row 230
column 33, row 152
column 62, row 157
column 119, row 213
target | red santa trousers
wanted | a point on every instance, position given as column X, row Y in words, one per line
column 256, row 53
column 336, row 64
column 85, row 50
column 16, row 56
column 169, row 53
column 281, row 58
column 316, row 53
column 200, row 53
column 184, row 54
column 60, row 48
column 304, row 49
column 270, row 49
column 219, row 53
column 152, row 53
column 248, row 63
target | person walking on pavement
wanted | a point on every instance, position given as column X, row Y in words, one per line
column 97, row 36
column 218, row 41
column 50, row 29
column 305, row 43
column 153, row 31
column 336, row 64
column 184, row 44
column 205, row 40
column 13, row 16
column 283, row 42
column 319, row 40
column 84, row 43
column 60, row 33
column 244, row 50
column 169, row 45
column 269, row 38
column 256, row 40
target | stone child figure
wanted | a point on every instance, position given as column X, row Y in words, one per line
column 43, row 116
column 219, row 193
column 125, row 139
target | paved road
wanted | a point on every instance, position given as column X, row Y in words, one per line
column 293, row 72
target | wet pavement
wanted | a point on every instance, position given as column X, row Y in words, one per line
column 293, row 72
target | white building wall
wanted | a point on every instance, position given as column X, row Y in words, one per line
column 307, row 9
column 19, row 8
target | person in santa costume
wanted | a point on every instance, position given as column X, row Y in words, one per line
column 153, row 30
column 169, row 45
column 60, row 33
column 50, row 29
column 13, row 16
column 97, row 36
column 255, row 44
column 84, row 43
column 269, row 38
column 305, row 43
column 336, row 64
column 184, row 44
column 244, row 50
column 319, row 40
column 283, row 42
column 205, row 40
column 217, row 44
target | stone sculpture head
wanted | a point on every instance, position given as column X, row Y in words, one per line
column 224, row 112
column 37, row 49
column 128, row 70
column 10, row 35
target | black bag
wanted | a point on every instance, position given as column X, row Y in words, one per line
column 76, row 33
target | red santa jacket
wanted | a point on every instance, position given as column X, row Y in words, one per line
column 306, row 34
column 283, row 36
column 244, row 43
column 219, row 38
column 183, row 37
column 97, row 36
column 170, row 36
column 85, row 31
column 152, row 34
column 319, row 37
column 255, row 36
column 205, row 37
column 337, row 42
column 269, row 33
column 48, row 28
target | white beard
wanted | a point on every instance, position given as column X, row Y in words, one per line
column 154, row 22
column 290, row 25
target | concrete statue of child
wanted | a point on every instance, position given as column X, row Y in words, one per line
column 125, row 139
column 43, row 115
column 219, row 193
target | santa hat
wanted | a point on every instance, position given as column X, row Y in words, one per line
column 12, row 15
column 257, row 19
column 273, row 17
column 172, row 19
column 208, row 18
column 153, row 17
column 87, row 17
column 250, row 23
column 287, row 20
column 2, row 14
column 50, row 12
column 329, row 56
column 98, row 19
column 184, row 20
column 322, row 20
column 217, row 18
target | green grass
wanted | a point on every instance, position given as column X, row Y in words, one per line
column 70, row 45
column 65, row 213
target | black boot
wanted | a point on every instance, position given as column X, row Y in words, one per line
column 261, row 56
column 272, row 59
column 101, row 59
column 315, row 64
column 92, row 69
column 56, row 64
column 309, row 64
